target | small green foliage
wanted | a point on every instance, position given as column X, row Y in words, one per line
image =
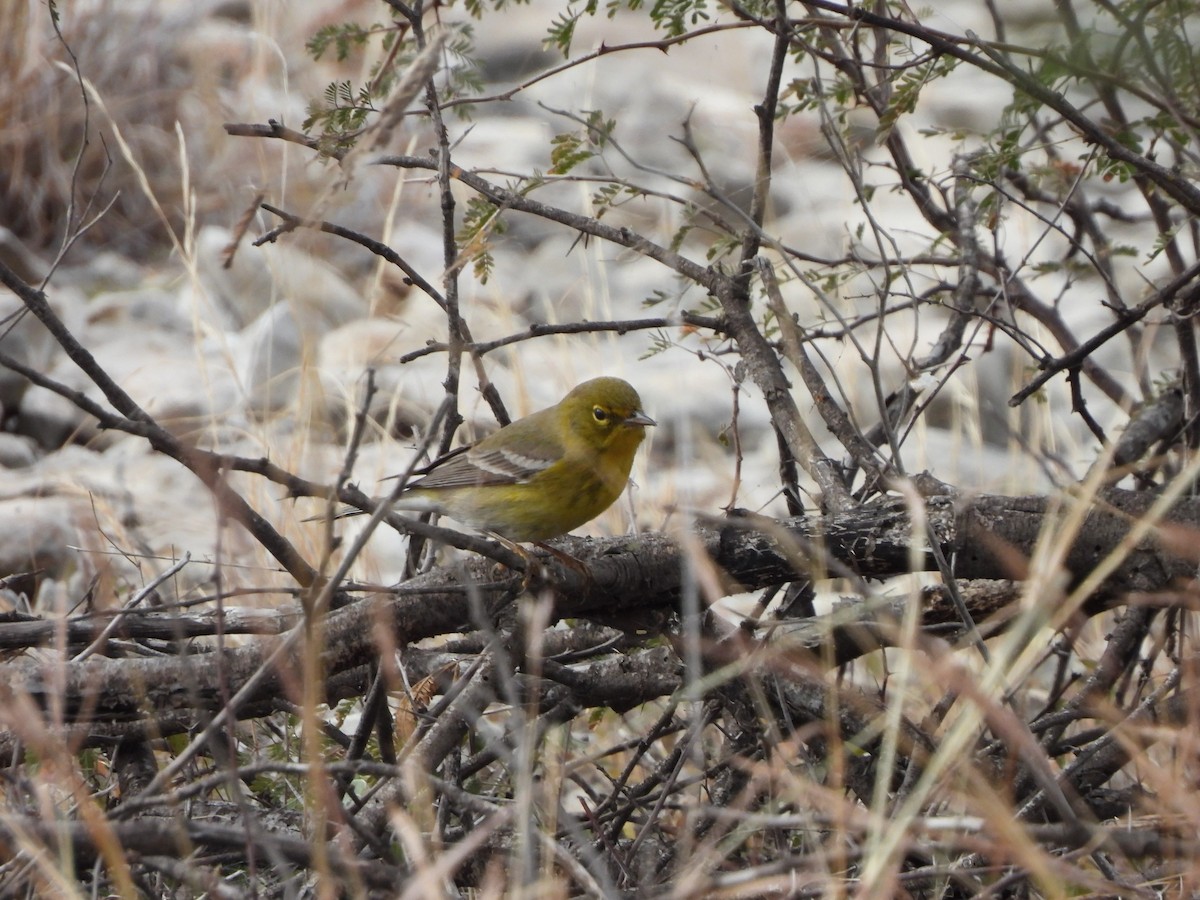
column 605, row 198
column 562, row 31
column 567, row 151
column 832, row 281
column 1001, row 157
column 570, row 149
column 906, row 90
column 340, row 115
column 600, row 129
column 1166, row 126
column 481, row 220
column 1113, row 169
column 478, row 7
column 722, row 247
column 344, row 38
column 659, row 342
column 680, row 236
column 1161, row 240
column 614, row 195
column 724, row 435
column 464, row 78
column 676, row 16
column 345, row 108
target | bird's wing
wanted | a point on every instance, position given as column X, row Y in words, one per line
column 494, row 462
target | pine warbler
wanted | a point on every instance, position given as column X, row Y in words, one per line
column 543, row 475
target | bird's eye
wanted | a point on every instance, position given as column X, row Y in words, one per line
column 600, row 414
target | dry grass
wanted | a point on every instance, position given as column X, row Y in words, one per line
column 253, row 727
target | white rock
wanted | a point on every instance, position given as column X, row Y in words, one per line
column 165, row 375
column 17, row 451
column 271, row 355
column 26, row 339
column 51, row 420
column 37, row 533
column 261, row 277
column 137, row 308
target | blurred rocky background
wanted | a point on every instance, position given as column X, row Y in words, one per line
column 261, row 350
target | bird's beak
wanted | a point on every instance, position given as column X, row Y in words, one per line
column 639, row 418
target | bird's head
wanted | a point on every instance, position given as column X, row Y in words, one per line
column 606, row 412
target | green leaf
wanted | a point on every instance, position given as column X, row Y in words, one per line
column 567, row 151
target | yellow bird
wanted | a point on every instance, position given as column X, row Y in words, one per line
column 544, row 475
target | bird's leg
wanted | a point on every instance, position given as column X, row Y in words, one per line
column 532, row 565
column 567, row 560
